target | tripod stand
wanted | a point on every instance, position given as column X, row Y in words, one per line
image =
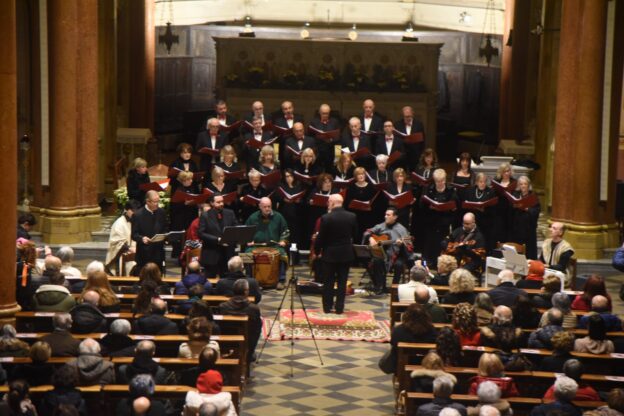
column 292, row 288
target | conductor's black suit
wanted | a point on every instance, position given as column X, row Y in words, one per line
column 335, row 239
column 214, row 256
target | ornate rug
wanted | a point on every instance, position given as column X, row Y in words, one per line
column 349, row 326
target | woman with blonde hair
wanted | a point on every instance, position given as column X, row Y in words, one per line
column 503, row 182
column 524, row 220
column 306, row 165
column 267, row 162
column 229, row 163
column 344, row 167
column 137, row 176
column 465, row 324
column 437, row 221
column 398, row 186
column 432, row 367
column 461, row 287
column 491, row 369
column 361, row 190
column 98, row 282
column 446, row 265
column 199, row 331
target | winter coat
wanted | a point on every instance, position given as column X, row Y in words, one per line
column 93, row 369
column 53, row 298
column 506, row 384
column 422, row 379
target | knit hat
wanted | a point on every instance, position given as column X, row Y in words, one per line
column 536, row 270
column 210, row 382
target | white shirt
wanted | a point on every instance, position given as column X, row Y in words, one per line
column 406, row 292
column 290, row 122
column 388, row 145
column 356, row 143
column 408, row 128
column 367, row 123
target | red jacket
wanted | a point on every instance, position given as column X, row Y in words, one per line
column 506, row 384
column 474, row 339
column 584, row 393
column 579, row 303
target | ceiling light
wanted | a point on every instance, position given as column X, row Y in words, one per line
column 248, row 31
column 465, row 18
column 353, row 35
column 305, row 33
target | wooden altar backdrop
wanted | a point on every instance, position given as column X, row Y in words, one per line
column 339, row 72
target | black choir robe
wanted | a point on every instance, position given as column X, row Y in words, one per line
column 148, row 224
column 486, row 218
column 204, row 140
column 133, row 181
column 182, row 216
column 524, row 227
column 365, row 219
column 325, row 150
column 437, row 224
column 413, row 151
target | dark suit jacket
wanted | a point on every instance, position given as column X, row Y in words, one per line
column 505, row 294
column 209, row 231
column 376, row 124
column 336, row 236
column 416, row 126
column 280, row 120
column 365, row 141
column 380, row 145
column 147, row 224
column 332, row 124
column 308, row 142
column 63, row 344
column 203, row 140
column 155, row 324
column 225, row 285
column 252, row 154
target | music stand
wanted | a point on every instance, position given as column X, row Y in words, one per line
column 363, row 253
column 238, row 234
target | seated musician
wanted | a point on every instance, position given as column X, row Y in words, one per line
column 467, row 245
column 557, row 252
column 271, row 230
column 395, row 253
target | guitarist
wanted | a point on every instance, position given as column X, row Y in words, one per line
column 467, row 245
column 396, row 247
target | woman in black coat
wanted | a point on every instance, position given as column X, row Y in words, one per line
column 137, row 176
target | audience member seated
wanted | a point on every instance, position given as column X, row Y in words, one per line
column 193, row 277
column 596, row 341
column 207, row 360
column 117, row 343
column 66, row 255
column 92, row 369
column 61, row 340
column 195, row 294
column 600, row 307
column 141, row 386
column 432, row 367
column 415, row 326
column 505, row 293
column 209, row 385
column 501, row 333
column 614, row 407
column 617, row 261
column 418, row 277
column 39, row 371
column 156, row 323
column 236, row 270
column 490, row 395
column 594, row 286
column 151, row 272
column 446, row 265
column 437, row 313
column 561, row 301
column 534, row 278
column 525, row 315
column 199, row 331
column 143, row 301
column 64, row 380
column 52, row 266
column 564, row 392
column 143, row 363
column 17, row 401
column 541, row 338
column 550, row 286
column 98, row 281
column 87, row 317
column 200, row 308
column 464, row 323
column 442, row 390
column 574, row 369
column 461, row 287
column 10, row 345
column 491, row 369
column 562, row 344
column 54, row 296
column 448, row 347
column 239, row 304
column 484, row 308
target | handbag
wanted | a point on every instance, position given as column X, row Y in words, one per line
column 387, row 363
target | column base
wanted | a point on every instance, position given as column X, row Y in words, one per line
column 590, row 241
column 67, row 226
column 7, row 313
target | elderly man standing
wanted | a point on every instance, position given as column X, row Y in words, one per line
column 146, row 223
column 338, row 230
column 271, row 230
column 557, row 252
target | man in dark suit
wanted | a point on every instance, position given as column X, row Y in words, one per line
column 388, row 143
column 257, row 111
column 371, row 121
column 253, row 153
column 214, row 255
column 286, row 120
column 146, row 223
column 222, row 116
column 408, row 125
column 325, row 123
column 236, row 271
column 297, row 142
column 506, row 292
column 338, row 230
column 354, row 139
column 211, row 138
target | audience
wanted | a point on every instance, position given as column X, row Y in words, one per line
column 614, row 407
column 490, row 395
column 564, row 392
column 143, row 363
column 461, row 287
column 209, row 385
column 484, row 309
column 465, row 324
column 442, row 390
column 535, row 278
column 207, row 360
column 236, row 270
column 574, row 369
column 525, row 315
column 193, row 277
column 561, row 301
column 98, row 281
column 541, row 338
column 415, row 326
column 437, row 313
column 10, row 345
column 594, row 285
column 91, row 367
column 446, row 265
column 53, row 296
column 117, row 343
column 562, row 344
column 491, row 369
column 596, row 341
column 61, row 341
column 418, row 277
column 599, row 306
column 195, row 294
column 156, row 323
column 86, row 316
column 199, row 331
column 432, row 367
column 505, row 293
column 448, row 347
column 501, row 333
column 550, row 286
column 66, row 256
column 17, row 401
column 64, row 380
column 39, row 371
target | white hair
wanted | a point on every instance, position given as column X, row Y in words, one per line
column 120, row 327
column 565, row 388
column 94, row 266
column 66, row 254
column 381, row 158
column 488, row 392
column 235, row 264
column 449, row 411
column 443, row 386
column 506, row 275
column 89, row 346
column 488, row 410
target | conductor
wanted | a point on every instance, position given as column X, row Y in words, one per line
column 337, row 232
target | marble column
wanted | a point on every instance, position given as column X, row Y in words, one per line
column 578, row 130
column 72, row 212
column 142, row 64
column 8, row 149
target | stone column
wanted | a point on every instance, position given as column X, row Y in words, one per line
column 72, row 213
column 8, row 149
column 578, row 130
column 142, row 63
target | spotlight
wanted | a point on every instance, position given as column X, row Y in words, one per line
column 408, row 36
column 465, row 18
column 248, row 31
column 353, row 35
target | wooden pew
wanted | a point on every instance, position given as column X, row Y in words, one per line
column 520, row 405
column 127, row 299
column 132, row 280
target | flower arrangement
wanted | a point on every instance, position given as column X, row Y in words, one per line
column 121, row 197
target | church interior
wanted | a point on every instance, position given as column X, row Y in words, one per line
column 89, row 86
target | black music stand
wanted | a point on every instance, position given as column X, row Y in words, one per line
column 363, row 254
column 238, row 234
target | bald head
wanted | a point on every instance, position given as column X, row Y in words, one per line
column 91, row 297
column 469, row 222
column 505, row 276
column 334, row 200
column 599, row 303
column 159, row 306
column 556, row 231
column 141, row 405
column 53, row 263
column 369, row 108
column 265, row 206
column 503, row 314
column 421, row 295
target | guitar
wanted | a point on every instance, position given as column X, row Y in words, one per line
column 383, row 240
